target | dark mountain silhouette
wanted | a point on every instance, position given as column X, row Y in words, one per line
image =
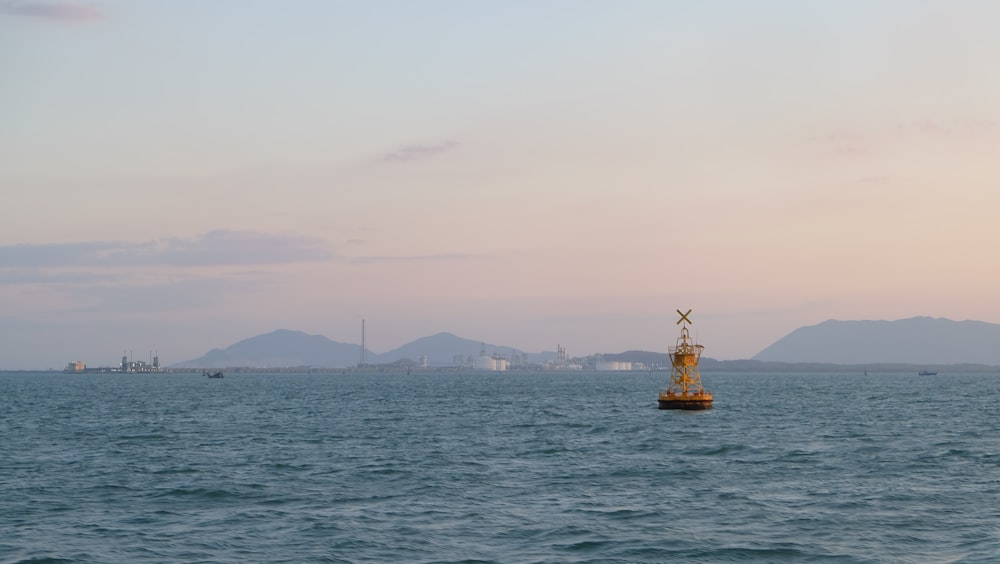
column 277, row 349
column 284, row 348
column 904, row 343
column 442, row 348
column 918, row 340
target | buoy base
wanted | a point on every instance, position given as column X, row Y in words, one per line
column 682, row 404
column 686, row 401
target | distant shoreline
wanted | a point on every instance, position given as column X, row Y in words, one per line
column 707, row 365
column 774, row 366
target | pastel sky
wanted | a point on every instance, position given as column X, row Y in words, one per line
column 177, row 176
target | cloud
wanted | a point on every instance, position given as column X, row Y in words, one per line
column 417, row 258
column 59, row 11
column 850, row 151
column 215, row 248
column 873, row 139
column 176, row 295
column 241, row 247
column 946, row 128
column 19, row 276
column 843, row 144
column 412, row 152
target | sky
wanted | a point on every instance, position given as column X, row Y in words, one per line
column 177, row 176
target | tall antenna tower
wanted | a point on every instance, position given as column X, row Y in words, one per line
column 364, row 353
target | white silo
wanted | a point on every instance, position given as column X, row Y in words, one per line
column 485, row 362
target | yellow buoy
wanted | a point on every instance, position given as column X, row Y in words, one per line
column 685, row 390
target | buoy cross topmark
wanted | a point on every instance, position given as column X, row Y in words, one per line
column 684, row 317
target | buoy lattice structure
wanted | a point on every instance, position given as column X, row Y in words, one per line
column 685, row 390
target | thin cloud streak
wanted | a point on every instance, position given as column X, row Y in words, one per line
column 216, row 248
column 865, row 142
column 58, row 11
column 414, row 152
column 19, row 276
column 192, row 294
column 417, row 258
column 242, row 247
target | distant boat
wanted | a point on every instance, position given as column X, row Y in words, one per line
column 213, row 374
column 926, row 373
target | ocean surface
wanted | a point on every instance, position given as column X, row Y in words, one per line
column 498, row 467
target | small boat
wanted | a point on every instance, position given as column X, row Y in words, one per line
column 213, row 374
column 926, row 373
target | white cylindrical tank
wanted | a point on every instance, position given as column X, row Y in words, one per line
column 614, row 365
column 485, row 363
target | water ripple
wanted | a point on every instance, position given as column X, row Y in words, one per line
column 495, row 468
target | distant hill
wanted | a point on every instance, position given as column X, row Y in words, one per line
column 442, row 348
column 918, row 340
column 284, row 348
column 645, row 357
column 281, row 348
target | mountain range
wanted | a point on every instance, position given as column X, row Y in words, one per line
column 286, row 348
column 914, row 341
column 918, row 340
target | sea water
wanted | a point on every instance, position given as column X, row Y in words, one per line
column 498, row 467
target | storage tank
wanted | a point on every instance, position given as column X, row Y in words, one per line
column 485, row 363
